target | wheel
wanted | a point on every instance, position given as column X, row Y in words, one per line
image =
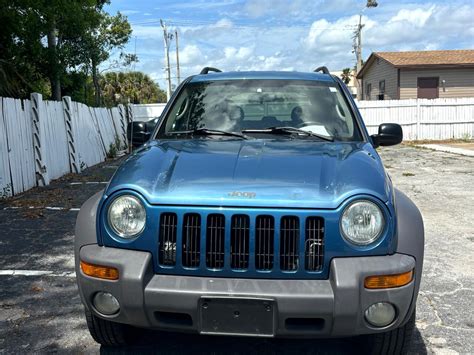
column 396, row 341
column 109, row 333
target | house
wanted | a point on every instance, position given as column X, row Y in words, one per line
column 418, row 74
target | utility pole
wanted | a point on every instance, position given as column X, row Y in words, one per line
column 167, row 38
column 178, row 74
column 358, row 43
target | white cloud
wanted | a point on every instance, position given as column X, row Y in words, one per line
column 416, row 17
column 191, row 54
column 129, row 12
column 277, row 42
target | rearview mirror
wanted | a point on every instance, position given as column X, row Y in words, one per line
column 389, row 134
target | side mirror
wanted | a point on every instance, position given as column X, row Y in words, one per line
column 137, row 133
column 389, row 134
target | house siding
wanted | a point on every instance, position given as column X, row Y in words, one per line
column 381, row 70
column 458, row 82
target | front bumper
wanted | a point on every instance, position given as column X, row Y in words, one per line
column 326, row 308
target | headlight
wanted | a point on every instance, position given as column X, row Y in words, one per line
column 127, row 216
column 362, row 222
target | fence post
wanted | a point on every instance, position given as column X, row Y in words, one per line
column 41, row 171
column 71, row 146
column 123, row 124
column 130, row 119
column 418, row 119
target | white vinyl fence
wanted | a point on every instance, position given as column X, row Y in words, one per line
column 421, row 118
column 44, row 140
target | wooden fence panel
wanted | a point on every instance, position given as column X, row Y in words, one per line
column 118, row 119
column 55, row 145
column 17, row 124
column 5, row 178
column 89, row 147
column 106, row 126
column 422, row 118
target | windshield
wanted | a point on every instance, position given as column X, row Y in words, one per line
column 254, row 105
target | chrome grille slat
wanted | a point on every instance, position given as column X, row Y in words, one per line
column 191, row 240
column 239, row 242
column 215, row 241
column 314, row 244
column 168, row 230
column 289, row 241
column 264, row 242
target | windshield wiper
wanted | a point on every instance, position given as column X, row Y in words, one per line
column 288, row 130
column 210, row 132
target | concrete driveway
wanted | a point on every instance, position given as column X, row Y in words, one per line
column 40, row 310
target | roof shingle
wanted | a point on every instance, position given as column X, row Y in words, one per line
column 447, row 58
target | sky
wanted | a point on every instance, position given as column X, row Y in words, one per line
column 287, row 34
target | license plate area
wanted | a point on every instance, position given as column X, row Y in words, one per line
column 237, row 316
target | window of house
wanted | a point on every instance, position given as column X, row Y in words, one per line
column 368, row 91
column 381, row 90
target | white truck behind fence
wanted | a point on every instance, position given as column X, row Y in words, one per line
column 145, row 112
column 44, row 140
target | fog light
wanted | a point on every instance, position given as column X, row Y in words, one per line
column 380, row 314
column 106, row 303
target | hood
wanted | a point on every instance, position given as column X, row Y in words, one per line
column 286, row 173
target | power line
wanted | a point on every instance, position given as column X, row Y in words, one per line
column 234, row 25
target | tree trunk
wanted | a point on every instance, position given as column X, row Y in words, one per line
column 95, row 80
column 54, row 66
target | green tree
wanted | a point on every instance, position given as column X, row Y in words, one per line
column 113, row 32
column 54, row 45
column 64, row 25
column 130, row 87
column 346, row 75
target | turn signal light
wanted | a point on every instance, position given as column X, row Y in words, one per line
column 388, row 281
column 101, row 272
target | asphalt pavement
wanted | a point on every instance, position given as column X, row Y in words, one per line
column 40, row 309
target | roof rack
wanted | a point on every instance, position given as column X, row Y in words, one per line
column 206, row 70
column 322, row 69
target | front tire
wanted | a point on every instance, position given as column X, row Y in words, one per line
column 396, row 341
column 109, row 333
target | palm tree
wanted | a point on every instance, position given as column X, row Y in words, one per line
column 346, row 75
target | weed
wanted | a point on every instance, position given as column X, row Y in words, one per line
column 7, row 191
column 114, row 148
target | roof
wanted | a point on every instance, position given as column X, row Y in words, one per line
column 262, row 75
column 422, row 59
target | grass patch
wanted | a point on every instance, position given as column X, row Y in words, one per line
column 466, row 139
column 408, row 174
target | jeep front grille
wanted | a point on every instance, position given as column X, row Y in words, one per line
column 264, row 243
column 215, row 241
column 239, row 243
column 191, row 239
column 168, row 226
column 289, row 240
column 314, row 244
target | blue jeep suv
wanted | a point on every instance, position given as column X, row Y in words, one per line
column 259, row 207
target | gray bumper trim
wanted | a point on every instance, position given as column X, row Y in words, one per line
column 339, row 303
